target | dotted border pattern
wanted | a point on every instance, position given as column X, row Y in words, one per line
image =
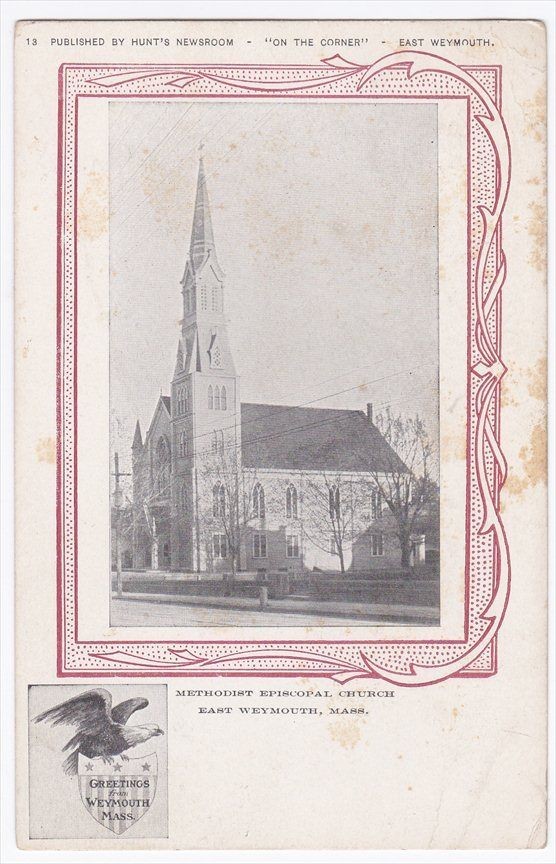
column 404, row 75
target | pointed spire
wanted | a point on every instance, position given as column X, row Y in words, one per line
column 137, row 438
column 202, row 238
column 179, row 359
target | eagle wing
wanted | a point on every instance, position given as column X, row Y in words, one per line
column 123, row 711
column 89, row 712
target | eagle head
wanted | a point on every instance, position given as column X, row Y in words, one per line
column 152, row 729
column 137, row 734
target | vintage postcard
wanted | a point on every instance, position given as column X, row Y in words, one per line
column 281, row 434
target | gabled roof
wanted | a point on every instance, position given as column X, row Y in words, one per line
column 317, row 439
column 164, row 402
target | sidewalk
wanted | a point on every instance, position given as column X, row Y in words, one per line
column 423, row 615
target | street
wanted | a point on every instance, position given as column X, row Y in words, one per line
column 143, row 611
column 137, row 613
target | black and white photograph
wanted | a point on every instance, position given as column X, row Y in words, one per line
column 274, row 364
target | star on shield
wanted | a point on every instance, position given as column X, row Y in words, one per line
column 117, row 803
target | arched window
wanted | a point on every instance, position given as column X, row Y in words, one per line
column 217, row 398
column 258, row 502
column 218, row 500
column 183, row 496
column 210, row 398
column 184, row 400
column 162, row 466
column 376, row 504
column 223, row 399
column 291, row 502
column 188, row 300
column 334, row 502
column 214, row 442
column 204, row 300
column 183, row 443
column 216, row 299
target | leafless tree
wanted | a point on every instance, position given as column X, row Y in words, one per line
column 151, row 489
column 226, row 503
column 330, row 502
column 405, row 482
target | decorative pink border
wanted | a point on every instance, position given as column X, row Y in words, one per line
column 402, row 75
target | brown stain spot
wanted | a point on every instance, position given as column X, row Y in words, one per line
column 159, row 182
column 533, row 458
column 534, row 181
column 346, row 733
column 535, row 113
column 46, row 450
column 454, row 447
column 537, row 379
column 232, row 146
column 410, row 788
column 93, row 206
column 536, row 228
column 506, row 396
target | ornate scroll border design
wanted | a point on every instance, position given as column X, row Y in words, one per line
column 363, row 662
column 490, row 370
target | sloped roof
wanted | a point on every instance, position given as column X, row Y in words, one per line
column 165, row 401
column 318, row 439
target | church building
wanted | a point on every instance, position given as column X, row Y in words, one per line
column 221, row 485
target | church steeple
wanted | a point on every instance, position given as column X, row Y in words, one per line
column 137, row 438
column 204, row 340
column 204, row 394
column 202, row 237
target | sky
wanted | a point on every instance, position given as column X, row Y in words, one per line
column 325, row 224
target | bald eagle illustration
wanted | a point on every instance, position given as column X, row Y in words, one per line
column 101, row 730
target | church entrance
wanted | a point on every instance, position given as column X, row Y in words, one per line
column 153, row 544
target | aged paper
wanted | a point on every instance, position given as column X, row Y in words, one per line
column 281, row 434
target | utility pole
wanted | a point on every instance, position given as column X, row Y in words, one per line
column 237, row 468
column 118, row 496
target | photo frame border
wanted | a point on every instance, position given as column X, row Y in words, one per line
column 401, row 75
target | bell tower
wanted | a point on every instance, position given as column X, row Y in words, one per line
column 205, row 402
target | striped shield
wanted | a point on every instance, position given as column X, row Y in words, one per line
column 117, row 793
